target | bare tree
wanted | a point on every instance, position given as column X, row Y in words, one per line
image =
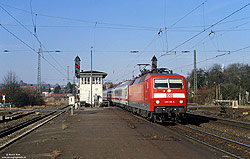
column 11, row 87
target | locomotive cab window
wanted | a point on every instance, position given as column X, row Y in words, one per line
column 161, row 83
column 175, row 83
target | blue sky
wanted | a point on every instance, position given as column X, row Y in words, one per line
column 116, row 27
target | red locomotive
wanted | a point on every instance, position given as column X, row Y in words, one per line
column 157, row 95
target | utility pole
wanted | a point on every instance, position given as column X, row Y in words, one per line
column 195, row 76
column 39, row 77
column 67, row 74
column 39, row 84
column 91, row 80
column 74, row 88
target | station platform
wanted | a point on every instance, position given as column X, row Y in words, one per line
column 105, row 133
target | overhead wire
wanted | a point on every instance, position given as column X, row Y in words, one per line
column 34, row 34
column 208, row 59
column 171, row 30
column 109, row 23
column 34, row 25
column 125, row 25
column 81, row 20
column 231, row 29
column 30, row 48
column 208, row 28
column 170, row 27
column 141, row 52
column 188, row 14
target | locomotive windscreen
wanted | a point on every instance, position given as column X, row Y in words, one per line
column 175, row 83
column 161, row 83
column 168, row 83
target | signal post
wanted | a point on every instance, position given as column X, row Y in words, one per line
column 77, row 75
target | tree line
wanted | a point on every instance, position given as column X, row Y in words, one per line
column 17, row 95
column 230, row 83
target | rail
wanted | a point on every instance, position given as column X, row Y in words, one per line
column 10, row 137
column 228, row 146
column 6, row 105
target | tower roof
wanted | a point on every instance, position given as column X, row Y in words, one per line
column 103, row 74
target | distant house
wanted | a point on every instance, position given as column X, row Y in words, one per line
column 29, row 87
column 85, row 85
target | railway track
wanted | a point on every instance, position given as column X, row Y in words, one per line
column 15, row 116
column 234, row 123
column 16, row 132
column 227, row 146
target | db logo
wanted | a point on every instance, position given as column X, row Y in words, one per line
column 169, row 95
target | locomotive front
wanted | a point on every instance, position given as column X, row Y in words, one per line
column 168, row 98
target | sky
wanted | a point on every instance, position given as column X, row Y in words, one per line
column 122, row 34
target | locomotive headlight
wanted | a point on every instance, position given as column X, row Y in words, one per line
column 181, row 101
column 157, row 102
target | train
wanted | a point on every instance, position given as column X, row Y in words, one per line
column 157, row 95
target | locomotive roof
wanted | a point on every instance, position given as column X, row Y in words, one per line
column 103, row 74
column 158, row 74
column 164, row 74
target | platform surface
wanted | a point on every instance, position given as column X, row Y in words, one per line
column 105, row 133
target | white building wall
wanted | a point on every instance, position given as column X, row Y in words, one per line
column 85, row 89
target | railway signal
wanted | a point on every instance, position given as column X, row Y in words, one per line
column 77, row 66
column 154, row 64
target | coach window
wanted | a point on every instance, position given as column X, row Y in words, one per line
column 88, row 79
column 175, row 83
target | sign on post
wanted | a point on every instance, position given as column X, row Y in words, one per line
column 3, row 100
column 235, row 104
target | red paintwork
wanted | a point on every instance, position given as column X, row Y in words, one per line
column 140, row 93
column 119, row 99
column 136, row 92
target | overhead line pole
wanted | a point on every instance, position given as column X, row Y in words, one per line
column 91, row 78
column 195, row 77
column 39, row 76
column 39, row 72
column 67, row 74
